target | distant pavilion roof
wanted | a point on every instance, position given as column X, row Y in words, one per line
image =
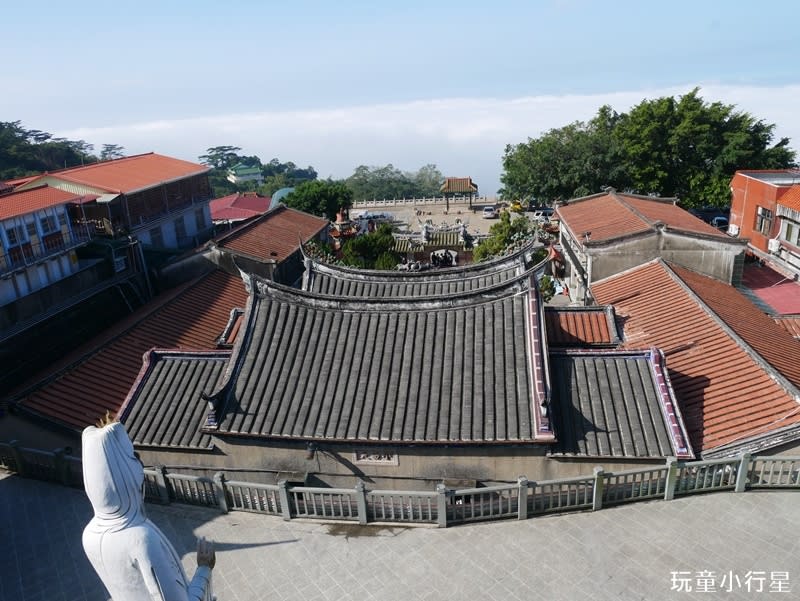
column 459, row 185
column 461, row 368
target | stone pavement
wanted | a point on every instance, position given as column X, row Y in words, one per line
column 627, row 552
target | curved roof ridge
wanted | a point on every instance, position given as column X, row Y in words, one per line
column 521, row 283
column 447, row 273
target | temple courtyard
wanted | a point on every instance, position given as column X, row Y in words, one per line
column 713, row 546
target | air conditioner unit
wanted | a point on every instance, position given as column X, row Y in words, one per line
column 733, row 229
column 774, row 245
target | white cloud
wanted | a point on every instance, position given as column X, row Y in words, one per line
column 462, row 136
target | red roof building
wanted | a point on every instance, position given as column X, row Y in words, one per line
column 238, row 207
column 734, row 370
column 765, row 210
column 608, row 233
column 269, row 246
column 161, row 200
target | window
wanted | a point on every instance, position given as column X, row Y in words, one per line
column 15, row 235
column 763, row 221
column 156, row 237
column 31, row 228
column 200, row 219
column 48, row 224
column 180, row 229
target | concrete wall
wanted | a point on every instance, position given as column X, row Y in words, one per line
column 704, row 255
column 415, row 467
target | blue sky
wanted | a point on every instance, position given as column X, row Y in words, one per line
column 339, row 84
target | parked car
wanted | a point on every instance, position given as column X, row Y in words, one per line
column 543, row 215
column 489, row 213
column 721, row 223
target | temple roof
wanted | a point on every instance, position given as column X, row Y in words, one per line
column 581, row 326
column 340, row 281
column 452, row 369
column 615, row 404
column 166, row 407
column 734, row 370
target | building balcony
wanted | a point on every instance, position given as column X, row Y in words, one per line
column 23, row 255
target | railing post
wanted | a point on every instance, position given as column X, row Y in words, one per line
column 361, row 502
column 441, row 505
column 741, row 474
column 283, row 492
column 60, row 466
column 19, row 460
column 161, row 482
column 672, row 478
column 522, row 497
column 597, row 489
column 219, row 489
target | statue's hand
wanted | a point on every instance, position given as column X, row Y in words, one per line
column 206, row 555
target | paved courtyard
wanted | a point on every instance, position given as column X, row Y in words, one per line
column 712, row 542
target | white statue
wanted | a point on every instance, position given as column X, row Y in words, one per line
column 133, row 558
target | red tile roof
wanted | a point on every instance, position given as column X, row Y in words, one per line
column 776, row 290
column 98, row 377
column 130, row 174
column 236, row 207
column 612, row 215
column 35, row 199
column 790, row 323
column 791, row 198
column 275, row 236
column 727, row 391
column 459, row 184
column 590, row 326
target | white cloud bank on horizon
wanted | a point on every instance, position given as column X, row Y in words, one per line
column 462, row 136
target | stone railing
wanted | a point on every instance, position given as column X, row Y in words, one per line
column 433, row 200
column 443, row 506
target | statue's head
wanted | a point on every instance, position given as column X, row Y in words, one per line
column 112, row 474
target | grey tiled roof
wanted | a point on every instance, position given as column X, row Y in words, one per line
column 615, row 404
column 453, row 369
column 349, row 282
column 165, row 407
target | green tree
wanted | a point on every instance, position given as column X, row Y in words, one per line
column 372, row 251
column 221, row 157
column 111, row 151
column 320, row 197
column 503, row 234
column 680, row 147
column 390, row 182
column 27, row 152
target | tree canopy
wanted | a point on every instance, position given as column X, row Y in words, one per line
column 390, row 182
column 503, row 234
column 320, row 197
column 276, row 175
column 373, row 250
column 30, row 151
column 682, row 147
